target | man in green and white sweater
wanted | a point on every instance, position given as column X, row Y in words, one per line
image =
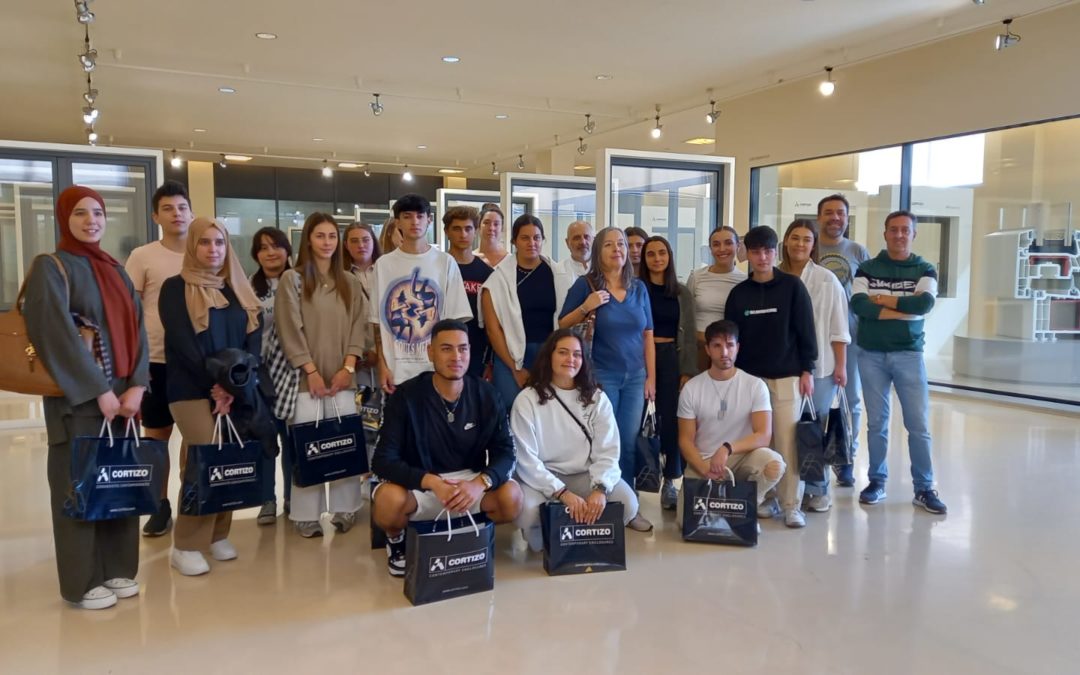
column 891, row 295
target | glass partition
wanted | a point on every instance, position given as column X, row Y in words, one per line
column 124, row 188
column 245, row 217
column 556, row 200
column 27, row 221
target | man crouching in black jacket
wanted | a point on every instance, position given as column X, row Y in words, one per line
column 444, row 444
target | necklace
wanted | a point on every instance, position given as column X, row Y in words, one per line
column 722, row 396
column 521, row 270
column 449, row 410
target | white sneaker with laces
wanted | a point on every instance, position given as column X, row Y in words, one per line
column 123, row 588
column 794, row 518
column 97, row 597
column 223, row 550
column 189, row 563
column 819, row 503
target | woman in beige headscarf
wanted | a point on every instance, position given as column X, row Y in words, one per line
column 209, row 307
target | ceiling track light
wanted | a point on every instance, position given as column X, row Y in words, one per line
column 521, row 162
column 91, row 94
column 407, row 175
column 90, row 114
column 222, row 163
column 713, row 114
column 827, row 86
column 83, row 13
column 658, row 130
column 582, row 145
column 91, row 136
column 327, row 172
column 494, row 169
column 1006, row 39
column 590, row 126
column 175, row 161
column 376, row 106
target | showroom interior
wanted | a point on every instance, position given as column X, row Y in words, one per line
column 673, row 117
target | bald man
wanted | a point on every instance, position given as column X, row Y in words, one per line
column 579, row 238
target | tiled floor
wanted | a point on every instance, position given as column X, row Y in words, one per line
column 992, row 587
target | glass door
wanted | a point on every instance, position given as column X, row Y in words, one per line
column 556, row 200
column 27, row 220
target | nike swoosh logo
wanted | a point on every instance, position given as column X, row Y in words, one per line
column 469, row 425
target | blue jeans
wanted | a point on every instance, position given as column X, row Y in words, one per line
column 907, row 373
column 824, row 392
column 503, row 378
column 626, row 391
column 853, row 391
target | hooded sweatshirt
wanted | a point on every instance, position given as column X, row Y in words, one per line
column 913, row 282
column 776, row 326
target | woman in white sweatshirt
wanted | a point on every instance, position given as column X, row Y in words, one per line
column 830, row 304
column 567, row 440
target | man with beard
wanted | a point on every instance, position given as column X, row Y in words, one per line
column 579, row 238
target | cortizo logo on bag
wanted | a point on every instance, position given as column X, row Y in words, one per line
column 125, row 476
column 459, row 562
column 736, row 507
column 329, row 447
column 231, row 474
column 599, row 533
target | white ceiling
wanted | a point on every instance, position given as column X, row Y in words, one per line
column 161, row 63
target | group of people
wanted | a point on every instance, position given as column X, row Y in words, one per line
column 509, row 379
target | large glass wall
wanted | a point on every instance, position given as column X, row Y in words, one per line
column 245, row 217
column 27, row 223
column 995, row 216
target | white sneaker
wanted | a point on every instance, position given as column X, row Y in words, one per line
column 123, row 588
column 768, row 508
column 97, row 597
column 223, row 550
column 189, row 563
column 819, row 503
column 794, row 518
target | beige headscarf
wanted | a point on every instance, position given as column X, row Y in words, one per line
column 203, row 285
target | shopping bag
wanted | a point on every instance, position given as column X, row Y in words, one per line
column 220, row 476
column 369, row 405
column 449, row 558
column 649, row 475
column 571, row 547
column 838, row 440
column 115, row 477
column 722, row 512
column 329, row 448
column 809, row 441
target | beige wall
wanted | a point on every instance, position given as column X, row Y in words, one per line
column 950, row 87
column 201, row 188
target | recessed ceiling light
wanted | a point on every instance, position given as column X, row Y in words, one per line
column 502, row 116
column 226, row 90
column 451, row 171
column 318, row 140
column 266, row 36
column 603, row 76
column 700, row 140
column 582, row 167
column 421, row 147
column 348, row 165
column 199, row 130
column 238, row 158
column 451, row 59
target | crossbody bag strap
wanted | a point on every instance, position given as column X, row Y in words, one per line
column 581, row 425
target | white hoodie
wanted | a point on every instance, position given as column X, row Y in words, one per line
column 502, row 284
column 548, row 441
column 830, row 314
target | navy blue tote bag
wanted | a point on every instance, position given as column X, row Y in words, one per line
column 720, row 512
column 449, row 560
column 571, row 547
column 115, row 477
column 328, row 449
column 222, row 476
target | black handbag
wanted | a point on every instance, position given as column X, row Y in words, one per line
column 225, row 476
column 571, row 547
column 718, row 512
column 810, row 442
column 456, row 561
column 115, row 477
column 839, row 434
column 649, row 475
column 328, row 449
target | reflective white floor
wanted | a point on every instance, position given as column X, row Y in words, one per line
column 992, row 587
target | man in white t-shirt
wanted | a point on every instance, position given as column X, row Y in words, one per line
column 149, row 266
column 725, row 418
column 415, row 286
column 579, row 238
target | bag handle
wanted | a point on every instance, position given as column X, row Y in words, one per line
column 130, row 430
column 581, row 425
column 449, row 529
column 840, row 401
column 808, row 402
column 63, row 274
column 219, row 436
column 320, row 410
column 106, row 427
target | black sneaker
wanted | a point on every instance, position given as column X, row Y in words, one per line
column 873, row 493
column 395, row 556
column 845, row 475
column 161, row 522
column 928, row 499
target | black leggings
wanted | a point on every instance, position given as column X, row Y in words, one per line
column 667, row 407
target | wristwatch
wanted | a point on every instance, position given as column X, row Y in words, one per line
column 486, row 480
column 349, row 369
column 599, row 487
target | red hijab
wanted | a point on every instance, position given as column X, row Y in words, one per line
column 115, row 297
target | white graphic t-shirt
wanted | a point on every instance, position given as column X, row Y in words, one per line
column 411, row 293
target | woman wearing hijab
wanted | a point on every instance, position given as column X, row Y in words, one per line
column 96, row 560
column 209, row 307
